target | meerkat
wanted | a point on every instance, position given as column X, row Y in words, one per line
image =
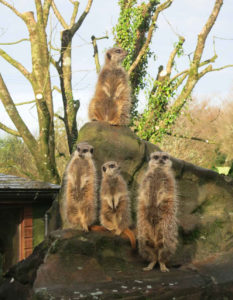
column 115, row 203
column 112, row 100
column 80, row 204
column 156, row 212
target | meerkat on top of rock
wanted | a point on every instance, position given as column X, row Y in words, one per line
column 79, row 209
column 156, row 212
column 112, row 100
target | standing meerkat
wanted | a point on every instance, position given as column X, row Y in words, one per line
column 115, row 202
column 112, row 100
column 156, row 213
column 80, row 205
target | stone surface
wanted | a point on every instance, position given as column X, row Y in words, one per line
column 78, row 265
column 73, row 265
column 205, row 197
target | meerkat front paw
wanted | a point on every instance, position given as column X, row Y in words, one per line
column 150, row 266
column 118, row 232
column 163, row 268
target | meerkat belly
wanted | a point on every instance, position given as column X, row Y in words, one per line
column 115, row 222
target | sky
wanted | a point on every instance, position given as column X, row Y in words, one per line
column 184, row 17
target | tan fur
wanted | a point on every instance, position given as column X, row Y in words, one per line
column 156, row 213
column 115, row 204
column 80, row 205
column 111, row 102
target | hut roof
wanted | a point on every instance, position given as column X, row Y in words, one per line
column 19, row 190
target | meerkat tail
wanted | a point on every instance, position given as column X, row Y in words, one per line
column 130, row 235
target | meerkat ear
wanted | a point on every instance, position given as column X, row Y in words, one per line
column 109, row 56
column 104, row 169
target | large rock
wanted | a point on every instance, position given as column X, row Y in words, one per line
column 79, row 265
column 205, row 197
column 72, row 265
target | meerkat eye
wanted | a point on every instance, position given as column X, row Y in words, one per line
column 112, row 166
column 78, row 149
column 91, row 150
column 85, row 150
column 104, row 169
column 118, row 51
column 156, row 157
column 165, row 157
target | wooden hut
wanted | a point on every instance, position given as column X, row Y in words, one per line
column 23, row 206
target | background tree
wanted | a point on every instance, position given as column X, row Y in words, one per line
column 12, row 161
column 203, row 134
column 169, row 91
column 43, row 148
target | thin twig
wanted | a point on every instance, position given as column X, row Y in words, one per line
column 14, row 43
column 9, row 130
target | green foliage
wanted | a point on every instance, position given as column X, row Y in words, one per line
column 148, row 124
column 15, row 158
column 179, row 47
column 130, row 34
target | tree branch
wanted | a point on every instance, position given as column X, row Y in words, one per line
column 59, row 16
column 209, row 68
column 46, row 8
column 39, row 12
column 77, row 25
column 143, row 50
column 56, row 88
column 96, row 55
column 207, row 61
column 75, row 12
column 180, row 81
column 190, row 138
column 26, row 102
column 59, row 117
column 173, row 55
column 16, row 118
column 14, row 43
column 205, row 31
column 222, row 68
column 193, row 75
column 12, row 8
column 9, row 130
column 16, row 64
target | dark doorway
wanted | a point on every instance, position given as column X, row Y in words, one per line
column 10, row 219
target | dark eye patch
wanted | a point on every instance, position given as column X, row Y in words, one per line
column 92, row 150
column 165, row 157
column 78, row 149
column 104, row 169
column 112, row 166
column 156, row 157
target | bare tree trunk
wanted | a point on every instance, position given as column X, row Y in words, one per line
column 63, row 66
column 42, row 150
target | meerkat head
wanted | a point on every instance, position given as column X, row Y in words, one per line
column 110, row 168
column 115, row 55
column 84, row 150
column 160, row 160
